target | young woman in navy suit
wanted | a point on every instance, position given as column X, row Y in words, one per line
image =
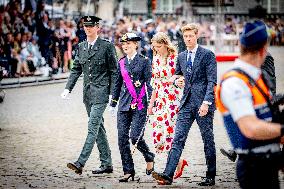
column 131, row 88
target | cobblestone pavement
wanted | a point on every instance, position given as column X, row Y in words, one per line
column 40, row 133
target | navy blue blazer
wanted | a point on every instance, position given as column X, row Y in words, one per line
column 200, row 82
column 140, row 69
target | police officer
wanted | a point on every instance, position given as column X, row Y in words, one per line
column 96, row 59
column 268, row 71
column 246, row 114
column 133, row 81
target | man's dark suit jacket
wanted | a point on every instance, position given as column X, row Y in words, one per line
column 200, row 82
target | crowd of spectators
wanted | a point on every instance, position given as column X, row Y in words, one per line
column 31, row 43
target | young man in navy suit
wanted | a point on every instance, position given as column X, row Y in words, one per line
column 199, row 68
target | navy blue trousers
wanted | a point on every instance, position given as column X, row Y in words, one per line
column 186, row 117
column 129, row 126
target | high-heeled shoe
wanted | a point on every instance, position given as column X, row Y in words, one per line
column 148, row 172
column 179, row 173
column 125, row 179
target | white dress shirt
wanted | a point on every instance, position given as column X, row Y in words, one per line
column 92, row 43
column 131, row 58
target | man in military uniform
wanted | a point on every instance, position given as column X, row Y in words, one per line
column 96, row 59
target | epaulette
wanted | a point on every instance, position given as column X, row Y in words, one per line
column 79, row 44
column 143, row 56
column 106, row 40
column 122, row 57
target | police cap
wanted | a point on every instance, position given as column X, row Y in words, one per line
column 253, row 33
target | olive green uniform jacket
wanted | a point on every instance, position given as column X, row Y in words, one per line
column 99, row 66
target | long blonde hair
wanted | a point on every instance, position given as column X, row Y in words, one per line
column 163, row 38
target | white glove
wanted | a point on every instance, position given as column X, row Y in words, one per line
column 112, row 111
column 65, row 93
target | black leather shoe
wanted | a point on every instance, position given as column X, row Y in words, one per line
column 148, row 172
column 76, row 166
column 161, row 178
column 231, row 154
column 102, row 170
column 207, row 182
column 125, row 179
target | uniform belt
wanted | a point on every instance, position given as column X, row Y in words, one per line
column 270, row 148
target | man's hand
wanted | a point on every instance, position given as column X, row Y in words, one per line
column 203, row 110
column 65, row 93
column 180, row 82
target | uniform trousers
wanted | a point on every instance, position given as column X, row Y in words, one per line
column 259, row 170
column 96, row 133
column 130, row 125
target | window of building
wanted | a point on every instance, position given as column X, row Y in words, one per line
column 167, row 6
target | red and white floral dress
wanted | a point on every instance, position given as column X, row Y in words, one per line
column 166, row 103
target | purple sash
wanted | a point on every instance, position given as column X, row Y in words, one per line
column 130, row 87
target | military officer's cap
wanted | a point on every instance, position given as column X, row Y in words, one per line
column 130, row 37
column 91, row 20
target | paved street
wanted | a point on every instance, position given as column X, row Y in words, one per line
column 40, row 133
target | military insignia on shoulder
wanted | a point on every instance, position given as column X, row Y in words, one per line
column 81, row 43
column 122, row 57
column 107, row 40
column 143, row 56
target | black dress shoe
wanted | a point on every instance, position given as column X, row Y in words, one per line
column 125, row 179
column 76, row 166
column 102, row 170
column 231, row 154
column 207, row 182
column 161, row 178
column 148, row 172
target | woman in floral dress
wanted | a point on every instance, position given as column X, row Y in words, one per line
column 164, row 103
